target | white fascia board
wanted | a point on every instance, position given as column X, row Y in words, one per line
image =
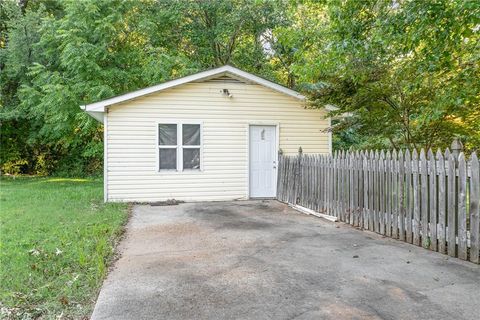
column 99, row 116
column 101, row 105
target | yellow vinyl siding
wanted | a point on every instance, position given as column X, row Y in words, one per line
column 132, row 136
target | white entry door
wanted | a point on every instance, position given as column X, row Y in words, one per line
column 263, row 161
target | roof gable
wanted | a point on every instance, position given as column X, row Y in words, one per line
column 96, row 109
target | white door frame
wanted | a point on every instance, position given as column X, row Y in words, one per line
column 277, row 148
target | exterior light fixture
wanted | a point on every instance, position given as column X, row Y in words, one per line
column 227, row 93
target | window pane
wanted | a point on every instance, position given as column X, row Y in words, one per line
column 191, row 134
column 167, row 134
column 168, row 159
column 191, row 158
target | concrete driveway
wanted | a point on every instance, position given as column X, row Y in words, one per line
column 263, row 260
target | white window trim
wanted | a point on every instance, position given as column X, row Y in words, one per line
column 179, row 147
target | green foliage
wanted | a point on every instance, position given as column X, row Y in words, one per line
column 216, row 33
column 56, row 243
column 405, row 71
column 67, row 53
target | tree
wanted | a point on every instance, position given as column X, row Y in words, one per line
column 93, row 50
column 59, row 55
column 20, row 30
column 216, row 33
column 406, row 69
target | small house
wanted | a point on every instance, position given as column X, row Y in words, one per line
column 213, row 135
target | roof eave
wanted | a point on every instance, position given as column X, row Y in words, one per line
column 97, row 115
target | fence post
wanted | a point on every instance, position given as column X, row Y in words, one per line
column 298, row 174
column 454, row 215
column 280, row 174
column 456, row 148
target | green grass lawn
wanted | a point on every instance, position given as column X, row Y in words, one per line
column 56, row 242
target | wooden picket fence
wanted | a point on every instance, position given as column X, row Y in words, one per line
column 420, row 198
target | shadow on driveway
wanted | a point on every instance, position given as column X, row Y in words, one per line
column 263, row 260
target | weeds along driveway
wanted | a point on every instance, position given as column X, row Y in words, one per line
column 263, row 260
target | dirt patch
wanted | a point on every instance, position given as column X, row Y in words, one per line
column 169, row 202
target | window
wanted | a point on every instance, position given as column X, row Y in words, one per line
column 167, row 140
column 179, row 146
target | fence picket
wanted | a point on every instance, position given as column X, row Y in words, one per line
column 316, row 183
column 442, row 216
column 331, row 187
column 343, row 191
column 280, row 176
column 345, row 187
column 285, row 178
column 409, row 197
column 371, row 213
column 293, row 166
column 309, row 181
column 346, row 184
column 324, row 184
column 334, row 174
column 360, row 189
column 432, row 188
column 381, row 180
column 395, row 195
column 365, row 191
column 327, row 184
column 462, row 207
column 306, row 181
column 312, row 180
column 375, row 191
column 451, row 206
column 320, row 182
column 388, row 194
column 351, row 187
column 286, row 181
column 424, row 199
column 339, row 189
column 401, row 186
column 474, row 209
column 416, row 199
column 303, row 172
column 356, row 190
